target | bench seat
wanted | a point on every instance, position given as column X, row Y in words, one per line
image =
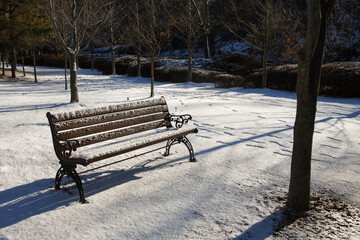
column 90, row 135
column 115, row 147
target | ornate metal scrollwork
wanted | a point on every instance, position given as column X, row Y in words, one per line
column 179, row 119
column 182, row 139
column 67, row 147
column 69, row 170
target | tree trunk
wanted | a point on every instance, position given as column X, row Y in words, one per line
column 113, row 69
column 73, row 79
column 189, row 64
column 66, row 84
column 33, row 48
column 207, row 47
column 92, row 56
column 112, row 39
column 3, row 65
column 23, row 64
column 264, row 66
column 307, row 88
column 13, row 62
column 138, row 65
column 152, row 77
column 34, row 64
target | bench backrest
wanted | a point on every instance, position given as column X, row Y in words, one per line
column 95, row 125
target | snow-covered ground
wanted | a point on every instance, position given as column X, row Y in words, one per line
column 243, row 152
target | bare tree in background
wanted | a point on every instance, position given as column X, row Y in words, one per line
column 83, row 19
column 112, row 32
column 188, row 21
column 262, row 24
column 38, row 27
column 133, row 22
column 148, row 29
column 344, row 28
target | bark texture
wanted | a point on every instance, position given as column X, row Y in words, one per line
column 307, row 89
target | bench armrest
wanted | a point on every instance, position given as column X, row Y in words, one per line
column 179, row 119
column 65, row 148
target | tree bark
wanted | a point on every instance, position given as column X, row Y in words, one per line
column 33, row 49
column 13, row 62
column 309, row 70
column 113, row 68
column 3, row 65
column 189, row 64
column 66, row 84
column 152, row 77
column 207, row 47
column 264, row 65
column 73, row 79
column 34, row 64
column 138, row 65
column 23, row 64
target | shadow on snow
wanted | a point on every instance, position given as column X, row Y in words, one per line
column 22, row 202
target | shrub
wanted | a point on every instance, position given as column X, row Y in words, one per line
column 253, row 80
column 248, row 61
column 228, row 81
column 282, row 78
column 340, row 79
column 54, row 61
column 171, row 74
column 203, row 76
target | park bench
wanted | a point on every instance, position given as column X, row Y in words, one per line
column 90, row 135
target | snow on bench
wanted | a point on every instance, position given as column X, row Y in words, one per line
column 90, row 135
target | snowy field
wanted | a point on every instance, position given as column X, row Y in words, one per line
column 243, row 152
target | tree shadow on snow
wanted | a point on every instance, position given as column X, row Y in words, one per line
column 22, row 202
column 270, row 225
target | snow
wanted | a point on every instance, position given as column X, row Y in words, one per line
column 243, row 151
column 136, row 140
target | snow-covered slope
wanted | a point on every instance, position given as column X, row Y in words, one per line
column 243, row 152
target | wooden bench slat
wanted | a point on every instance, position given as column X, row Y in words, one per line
column 122, row 132
column 72, row 131
column 158, row 138
column 109, row 109
column 81, row 132
column 86, row 121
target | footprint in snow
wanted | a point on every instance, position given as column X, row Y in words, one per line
column 256, row 146
column 325, row 145
column 282, row 154
column 228, row 133
column 334, row 139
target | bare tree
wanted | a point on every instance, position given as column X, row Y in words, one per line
column 189, row 23
column 112, row 32
column 310, row 60
column 148, row 29
column 11, row 10
column 261, row 23
column 38, row 27
column 344, row 25
column 133, row 28
column 82, row 18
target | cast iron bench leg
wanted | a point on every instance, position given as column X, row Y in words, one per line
column 69, row 170
column 184, row 140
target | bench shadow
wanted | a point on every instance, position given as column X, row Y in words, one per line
column 270, row 225
column 24, row 201
column 30, row 107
